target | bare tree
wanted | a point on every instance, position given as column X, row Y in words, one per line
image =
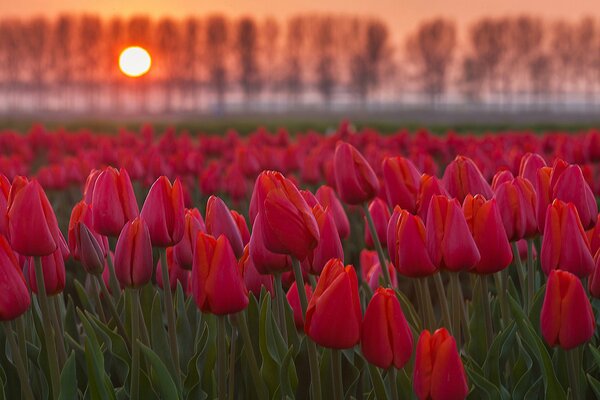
column 168, row 47
column 191, row 60
column 296, row 40
column 247, row 53
column 88, row 46
column 217, row 41
column 431, row 49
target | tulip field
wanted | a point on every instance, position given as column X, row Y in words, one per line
column 352, row 264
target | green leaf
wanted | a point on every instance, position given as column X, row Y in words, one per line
column 83, row 295
column 595, row 385
column 477, row 346
column 270, row 364
column 552, row 386
column 486, row 389
column 161, row 378
column 491, row 366
column 378, row 385
column 116, row 347
column 183, row 328
column 158, row 335
column 68, row 379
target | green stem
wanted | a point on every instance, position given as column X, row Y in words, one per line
column 135, row 354
column 48, row 330
column 58, row 332
column 221, row 358
column 170, row 311
column 573, row 371
column 18, row 361
column 261, row 390
column 393, row 383
column 113, row 311
column 424, row 309
column 499, row 279
column 530, row 274
column 145, row 338
column 428, row 303
column 382, row 261
column 519, row 267
column 112, row 280
column 336, row 371
column 487, row 310
column 22, row 340
column 99, row 307
column 280, row 300
column 312, row 348
column 463, row 313
column 441, row 293
column 456, row 312
column 231, row 385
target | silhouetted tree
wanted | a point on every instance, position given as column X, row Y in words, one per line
column 247, row 53
column 217, row 41
column 431, row 49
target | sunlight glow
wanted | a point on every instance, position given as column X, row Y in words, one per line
column 135, row 61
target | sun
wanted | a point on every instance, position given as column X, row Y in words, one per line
column 135, row 61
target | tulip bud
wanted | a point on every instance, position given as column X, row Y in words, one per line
column 368, row 258
column 176, row 273
column 438, row 372
column 501, row 177
column 217, row 284
column 240, row 222
column 329, row 245
column 334, row 316
column 374, row 275
column 54, row 273
column 252, row 279
column 288, row 224
column 164, row 213
column 565, row 245
column 402, row 182
column 90, row 182
column 264, row 260
column 113, row 202
column 220, row 221
column 386, row 338
column 572, row 187
column 293, row 299
column 381, row 216
column 567, row 319
column 449, row 241
column 355, row 180
column 407, row 246
column 543, row 196
column 4, row 193
column 183, row 250
column 462, row 177
column 530, row 164
column 485, row 224
column 86, row 245
column 516, row 203
column 430, row 186
column 133, row 254
column 328, row 199
column 14, row 297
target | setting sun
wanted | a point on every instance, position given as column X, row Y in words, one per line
column 135, row 61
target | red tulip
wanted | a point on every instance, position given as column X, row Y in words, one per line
column 594, row 278
column 530, row 164
column 572, row 187
column 462, row 177
column 14, row 297
column 430, row 186
column 264, row 260
column 4, row 193
column 90, row 182
column 485, row 224
column 220, row 221
column 567, row 319
column 386, row 339
column 184, row 250
column 293, row 299
column 334, row 316
column 164, row 213
column 438, row 372
column 368, row 258
column 402, row 182
column 86, row 245
column 288, row 224
column 565, row 245
column 265, row 181
column 54, row 273
column 29, row 212
column 217, row 284
column 133, row 254
column 176, row 273
column 252, row 279
column 544, row 196
column 240, row 222
column 501, row 177
column 449, row 241
column 113, row 202
column 407, row 246
column 375, row 274
column 516, row 203
column 329, row 245
column 327, row 198
column 355, row 180
column 381, row 216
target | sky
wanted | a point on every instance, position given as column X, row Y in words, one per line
column 401, row 15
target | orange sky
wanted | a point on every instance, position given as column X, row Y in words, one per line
column 401, row 15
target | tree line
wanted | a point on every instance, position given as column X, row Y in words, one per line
column 70, row 62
